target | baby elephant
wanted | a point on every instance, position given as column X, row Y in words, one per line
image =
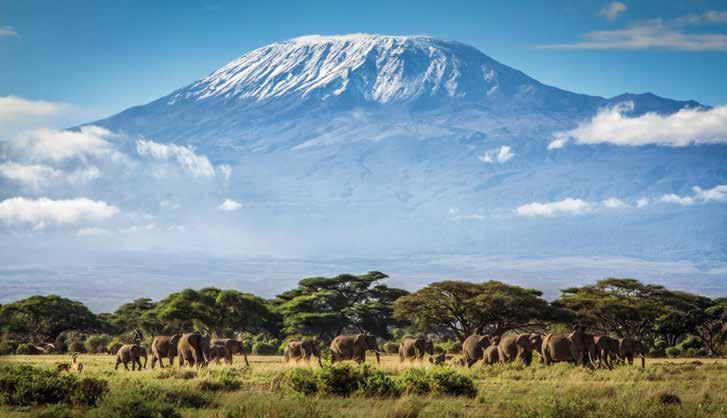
column 130, row 353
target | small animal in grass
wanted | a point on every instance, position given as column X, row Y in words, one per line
column 77, row 365
column 63, row 367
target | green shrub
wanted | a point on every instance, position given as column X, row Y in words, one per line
column 391, row 347
column 373, row 382
column 8, row 347
column 55, row 411
column 26, row 348
column 264, row 349
column 76, row 347
column 133, row 404
column 88, row 391
column 415, row 381
column 673, row 351
column 302, row 381
column 26, row 385
column 96, row 344
column 453, row 383
column 339, row 379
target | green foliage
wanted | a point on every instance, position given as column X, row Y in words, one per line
column 45, row 317
column 450, row 382
column 27, row 385
column 462, row 308
column 26, row 349
column 8, row 346
column 391, row 347
column 264, row 349
column 415, row 381
column 302, row 381
column 97, row 344
column 76, row 347
column 339, row 379
column 374, row 382
column 133, row 404
column 327, row 307
column 673, row 351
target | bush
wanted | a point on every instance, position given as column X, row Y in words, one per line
column 668, row 398
column 373, row 382
column 264, row 349
column 76, row 347
column 673, row 351
column 8, row 347
column 391, row 348
column 88, row 391
column 26, row 348
column 27, row 385
column 96, row 344
column 302, row 381
column 339, row 379
column 450, row 382
column 415, row 381
column 133, row 404
column 55, row 411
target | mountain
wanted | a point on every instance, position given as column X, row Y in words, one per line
column 374, row 150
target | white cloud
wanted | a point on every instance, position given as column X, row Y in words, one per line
column 670, row 34
column 717, row 193
column 642, row 202
column 550, row 209
column 614, row 203
column 613, row 10
column 93, row 232
column 44, row 211
column 500, row 155
column 225, row 170
column 7, row 32
column 196, row 164
column 13, row 108
column 683, row 128
column 557, row 143
column 38, row 176
column 53, row 145
column 679, row 200
column 229, row 205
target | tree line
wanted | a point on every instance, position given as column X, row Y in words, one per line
column 669, row 322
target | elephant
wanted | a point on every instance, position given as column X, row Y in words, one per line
column 353, row 347
column 512, row 347
column 217, row 352
column 302, row 350
column 628, row 348
column 491, row 355
column 577, row 347
column 193, row 348
column 131, row 353
column 474, row 345
column 164, row 347
column 232, row 346
column 415, row 348
column 607, row 350
column 536, row 341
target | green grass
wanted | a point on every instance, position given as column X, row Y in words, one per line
column 699, row 386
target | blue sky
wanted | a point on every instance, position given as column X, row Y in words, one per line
column 102, row 57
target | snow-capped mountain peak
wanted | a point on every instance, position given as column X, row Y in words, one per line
column 360, row 67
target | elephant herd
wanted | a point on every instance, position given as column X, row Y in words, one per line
column 577, row 347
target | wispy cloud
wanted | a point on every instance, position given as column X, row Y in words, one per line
column 679, row 200
column 671, row 34
column 683, row 128
column 497, row 155
column 613, row 10
column 229, row 205
column 551, row 209
column 614, row 203
column 42, row 212
column 13, row 108
column 53, row 145
column 7, row 32
column 715, row 194
column 39, row 176
column 196, row 164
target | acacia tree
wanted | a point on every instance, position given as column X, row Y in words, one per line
column 327, row 307
column 461, row 309
column 43, row 318
column 219, row 312
column 136, row 317
column 629, row 308
column 711, row 326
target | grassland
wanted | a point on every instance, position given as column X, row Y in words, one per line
column 674, row 387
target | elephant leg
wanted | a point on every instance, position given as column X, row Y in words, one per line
column 643, row 361
column 117, row 364
column 154, row 361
